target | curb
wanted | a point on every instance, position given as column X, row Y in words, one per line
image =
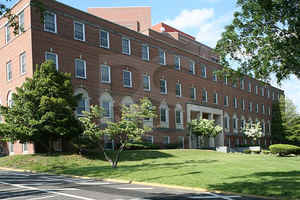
column 147, row 184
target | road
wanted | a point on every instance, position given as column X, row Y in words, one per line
column 30, row 186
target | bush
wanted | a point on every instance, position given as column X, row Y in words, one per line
column 284, row 149
column 256, row 152
column 247, row 151
column 141, row 146
column 171, row 146
column 266, row 151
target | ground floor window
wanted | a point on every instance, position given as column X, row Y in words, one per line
column 166, row 140
column 149, row 139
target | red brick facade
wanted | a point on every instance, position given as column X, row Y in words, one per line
column 35, row 41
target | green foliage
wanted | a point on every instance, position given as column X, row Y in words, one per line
column 253, row 130
column 43, row 109
column 266, row 152
column 129, row 128
column 285, row 122
column 247, row 151
column 264, row 39
column 141, row 146
column 204, row 127
column 284, row 149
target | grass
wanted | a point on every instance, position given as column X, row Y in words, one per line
column 265, row 175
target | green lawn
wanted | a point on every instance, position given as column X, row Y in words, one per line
column 265, row 175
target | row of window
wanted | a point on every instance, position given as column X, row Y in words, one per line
column 79, row 34
column 8, row 28
column 12, row 149
column 22, row 66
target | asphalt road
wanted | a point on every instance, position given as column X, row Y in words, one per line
column 29, row 186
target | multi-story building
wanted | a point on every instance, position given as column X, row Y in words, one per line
column 112, row 64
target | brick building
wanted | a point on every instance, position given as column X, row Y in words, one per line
column 113, row 64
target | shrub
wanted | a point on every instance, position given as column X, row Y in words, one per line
column 171, row 146
column 141, row 146
column 247, row 151
column 284, row 149
column 256, row 152
column 266, row 151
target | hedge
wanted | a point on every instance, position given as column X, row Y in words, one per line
column 284, row 149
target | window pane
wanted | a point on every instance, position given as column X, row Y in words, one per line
column 104, row 39
column 177, row 62
column 106, row 108
column 105, row 74
column 80, row 68
column 125, row 46
column 145, row 52
column 162, row 57
column 178, row 117
column 163, row 86
column 49, row 22
column 146, row 82
column 126, row 78
column 23, row 63
column 81, row 106
column 163, row 116
column 79, row 31
column 178, row 89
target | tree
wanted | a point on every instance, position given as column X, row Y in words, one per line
column 264, row 39
column 129, row 127
column 43, row 109
column 204, row 127
column 285, row 122
column 253, row 130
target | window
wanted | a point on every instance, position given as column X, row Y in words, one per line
column 149, row 139
column 147, row 83
column 243, row 104
column 262, row 91
column 177, row 62
column 145, row 52
column 53, row 57
column 215, row 76
column 166, row 140
column 256, row 89
column 226, row 122
column 126, row 46
column 21, row 22
column 234, row 84
column 226, row 100
column 104, row 39
column 178, row 116
column 10, row 101
column 25, row 147
column 249, row 86
column 215, row 98
column 243, row 123
column 250, row 106
column 82, row 106
column 106, row 105
column 80, row 68
column 105, row 74
column 79, row 31
column 163, row 114
column 7, row 33
column 193, row 93
column 204, row 95
column 163, row 86
column 50, row 22
column 11, row 147
column 263, row 108
column 162, row 57
column 23, row 63
column 127, row 81
column 192, row 67
column 268, row 93
column 269, row 111
column 181, row 141
column 178, row 89
column 203, row 71
column 235, row 102
column 278, row 95
column 225, row 80
column 256, row 108
column 235, row 122
column 242, row 83
column 8, row 71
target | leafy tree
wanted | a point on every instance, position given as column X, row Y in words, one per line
column 42, row 109
column 264, row 39
column 129, row 127
column 253, row 130
column 285, row 122
column 204, row 127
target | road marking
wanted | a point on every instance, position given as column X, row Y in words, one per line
column 43, row 190
column 92, row 183
column 135, row 188
column 46, row 197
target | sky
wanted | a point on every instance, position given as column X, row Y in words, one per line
column 204, row 19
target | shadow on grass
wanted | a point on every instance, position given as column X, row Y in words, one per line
column 285, row 185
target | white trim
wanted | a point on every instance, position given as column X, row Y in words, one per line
column 55, row 22
column 148, row 52
column 179, row 62
column 19, row 18
column 216, row 96
column 129, row 46
column 168, row 139
column 56, row 57
column 194, row 92
column 109, row 73
column 84, row 65
column 180, row 93
column 164, row 124
column 164, row 57
column 130, row 76
column 166, row 87
column 9, row 72
column 108, row 43
column 149, row 83
column 23, row 151
column 205, row 71
column 83, row 29
column 192, row 62
column 7, row 30
column 21, row 58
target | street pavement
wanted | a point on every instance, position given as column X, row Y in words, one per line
column 31, row 186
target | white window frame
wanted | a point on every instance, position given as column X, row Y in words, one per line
column 216, row 97
column 235, row 102
column 164, row 57
column 110, row 112
column 130, row 76
column 269, row 111
column 179, row 62
column 168, row 140
column 7, row 33
column 214, row 76
column 55, row 22
column 243, row 105
column 109, row 74
column 152, row 138
column 83, row 30
column 9, row 71
column 129, row 46
column 192, row 64
column 263, row 108
column 22, row 61
column 256, row 108
column 249, row 86
column 180, row 93
column 205, row 71
column 194, row 93
column 149, row 83
column 262, row 90
column 56, row 58
column 242, row 83
column 226, row 100
column 250, row 107
column 23, row 149
column 21, row 29
column 108, row 43
column 268, row 93
column 206, row 98
column 179, row 125
column 84, row 65
column 11, row 148
column 147, row 58
column 166, row 87
column 225, row 80
column 256, row 90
